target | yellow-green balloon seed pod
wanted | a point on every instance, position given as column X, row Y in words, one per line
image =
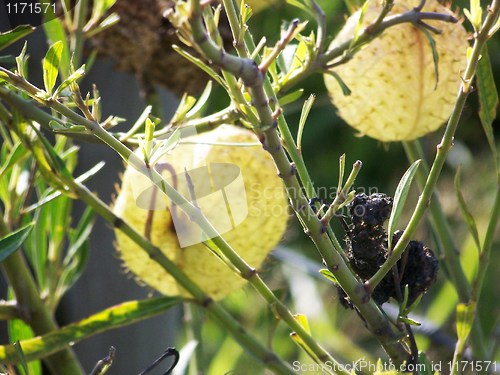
column 233, row 180
column 395, row 94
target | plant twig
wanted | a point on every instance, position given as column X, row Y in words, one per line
column 365, row 35
column 253, row 78
column 451, row 260
column 9, row 310
column 285, row 39
column 443, row 147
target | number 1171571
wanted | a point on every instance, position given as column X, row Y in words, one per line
column 474, row 366
column 29, row 8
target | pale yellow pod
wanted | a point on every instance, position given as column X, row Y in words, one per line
column 235, row 184
column 393, row 82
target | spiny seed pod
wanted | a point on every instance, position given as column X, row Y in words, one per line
column 395, row 94
column 141, row 43
column 228, row 175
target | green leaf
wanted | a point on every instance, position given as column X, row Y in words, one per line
column 300, row 57
column 15, row 155
column 187, row 102
column 329, row 275
column 50, row 195
column 21, row 61
column 435, row 55
column 306, row 108
column 200, row 64
column 359, row 25
column 465, row 319
column 488, row 99
column 74, row 77
column 55, row 32
column 12, row 36
column 164, row 146
column 409, row 321
column 341, row 172
column 19, row 330
column 13, row 241
column 99, row 8
column 400, row 198
column 22, row 358
column 345, row 89
column 78, row 252
column 111, row 318
column 475, row 15
column 109, row 21
column 51, row 64
column 291, row 97
column 200, row 103
column 138, row 124
column 469, row 219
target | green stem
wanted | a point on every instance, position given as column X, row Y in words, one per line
column 196, row 216
column 198, row 125
column 450, row 255
column 36, row 314
column 254, row 79
column 9, row 310
column 342, row 194
column 290, row 145
column 266, row 356
column 216, row 310
column 484, row 257
column 443, row 147
column 77, row 35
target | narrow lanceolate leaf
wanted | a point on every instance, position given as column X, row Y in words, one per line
column 359, row 25
column 400, row 199
column 469, row 219
column 51, row 66
column 435, row 55
column 13, row 241
column 11, row 36
column 303, row 118
column 75, row 76
column 15, row 155
column 111, row 318
column 488, row 98
column 328, row 275
column 291, row 97
column 346, row 91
